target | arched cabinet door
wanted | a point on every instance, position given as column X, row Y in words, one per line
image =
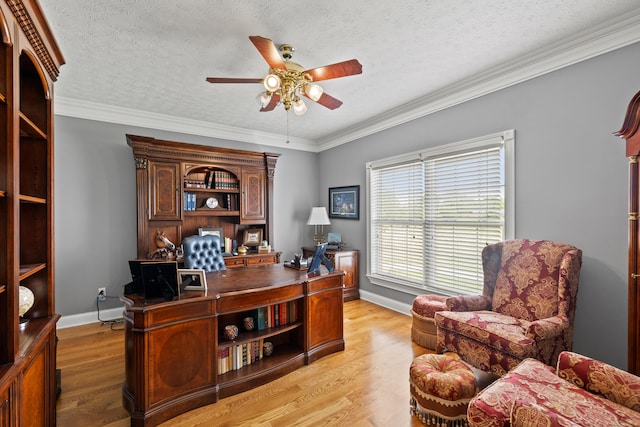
column 630, row 133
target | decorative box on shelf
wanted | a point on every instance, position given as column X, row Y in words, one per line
column 264, row 249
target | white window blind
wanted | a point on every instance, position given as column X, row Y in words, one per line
column 432, row 212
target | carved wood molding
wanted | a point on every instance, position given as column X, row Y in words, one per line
column 29, row 28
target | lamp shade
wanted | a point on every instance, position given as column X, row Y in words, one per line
column 318, row 216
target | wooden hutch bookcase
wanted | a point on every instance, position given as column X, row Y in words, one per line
column 175, row 180
column 630, row 132
column 29, row 64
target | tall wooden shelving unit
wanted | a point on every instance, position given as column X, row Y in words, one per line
column 630, row 132
column 29, row 64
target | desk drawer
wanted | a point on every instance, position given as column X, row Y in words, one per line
column 261, row 260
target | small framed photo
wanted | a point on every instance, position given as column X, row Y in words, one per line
column 252, row 237
column 344, row 202
column 192, row 279
column 212, row 231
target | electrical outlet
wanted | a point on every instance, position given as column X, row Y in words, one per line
column 102, row 294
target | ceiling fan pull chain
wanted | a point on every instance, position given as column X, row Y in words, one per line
column 287, row 111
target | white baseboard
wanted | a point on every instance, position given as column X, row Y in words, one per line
column 91, row 317
column 385, row 302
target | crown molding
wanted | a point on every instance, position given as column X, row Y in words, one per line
column 72, row 107
column 607, row 37
column 612, row 35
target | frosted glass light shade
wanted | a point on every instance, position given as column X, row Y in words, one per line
column 271, row 82
column 299, row 107
column 313, row 91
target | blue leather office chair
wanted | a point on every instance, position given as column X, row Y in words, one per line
column 203, row 252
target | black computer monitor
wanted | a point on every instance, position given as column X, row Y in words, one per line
column 319, row 257
column 154, row 279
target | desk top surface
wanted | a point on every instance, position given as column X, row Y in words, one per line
column 241, row 280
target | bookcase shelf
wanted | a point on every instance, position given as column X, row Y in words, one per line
column 29, row 128
column 28, row 270
column 32, row 199
column 246, row 337
column 30, row 60
column 173, row 186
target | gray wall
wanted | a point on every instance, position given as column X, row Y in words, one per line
column 95, row 206
column 571, row 178
column 571, row 186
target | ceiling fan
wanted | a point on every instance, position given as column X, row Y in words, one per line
column 287, row 81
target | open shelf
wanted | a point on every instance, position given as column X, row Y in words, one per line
column 211, row 212
column 283, row 354
column 32, row 199
column 27, row 270
column 246, row 337
column 29, row 128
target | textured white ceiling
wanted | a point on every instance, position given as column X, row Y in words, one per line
column 149, row 58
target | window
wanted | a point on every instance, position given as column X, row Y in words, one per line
column 431, row 213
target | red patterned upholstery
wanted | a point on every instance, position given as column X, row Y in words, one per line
column 581, row 392
column 526, row 310
column 441, row 386
column 423, row 327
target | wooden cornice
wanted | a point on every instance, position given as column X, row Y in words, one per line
column 36, row 28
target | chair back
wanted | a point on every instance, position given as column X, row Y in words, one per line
column 203, row 252
column 536, row 279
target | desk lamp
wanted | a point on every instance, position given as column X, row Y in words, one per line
column 318, row 217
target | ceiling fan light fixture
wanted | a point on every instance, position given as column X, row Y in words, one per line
column 299, row 107
column 272, row 82
column 264, row 98
column 313, row 91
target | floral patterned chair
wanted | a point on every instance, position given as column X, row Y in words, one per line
column 580, row 392
column 526, row 310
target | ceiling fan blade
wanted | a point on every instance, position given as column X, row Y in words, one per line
column 341, row 69
column 269, row 51
column 328, row 101
column 275, row 98
column 232, row 80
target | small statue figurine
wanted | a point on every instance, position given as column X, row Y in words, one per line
column 165, row 247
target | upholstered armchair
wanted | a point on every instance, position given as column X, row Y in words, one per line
column 580, row 392
column 203, row 252
column 526, row 310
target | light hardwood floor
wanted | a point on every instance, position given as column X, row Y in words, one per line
column 364, row 385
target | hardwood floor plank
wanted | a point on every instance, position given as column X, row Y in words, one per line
column 366, row 385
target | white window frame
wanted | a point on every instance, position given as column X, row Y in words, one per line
column 507, row 138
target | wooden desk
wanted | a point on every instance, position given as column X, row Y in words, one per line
column 173, row 349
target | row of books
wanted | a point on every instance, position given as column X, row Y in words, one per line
column 217, row 180
column 189, row 201
column 237, row 356
column 194, row 183
column 221, row 180
column 276, row 315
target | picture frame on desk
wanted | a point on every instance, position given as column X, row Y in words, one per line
column 252, row 237
column 344, row 202
column 192, row 279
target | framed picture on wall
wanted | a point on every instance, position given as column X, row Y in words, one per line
column 344, row 202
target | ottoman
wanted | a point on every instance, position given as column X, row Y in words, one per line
column 441, row 386
column 423, row 328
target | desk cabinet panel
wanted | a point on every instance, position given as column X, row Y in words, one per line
column 343, row 260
